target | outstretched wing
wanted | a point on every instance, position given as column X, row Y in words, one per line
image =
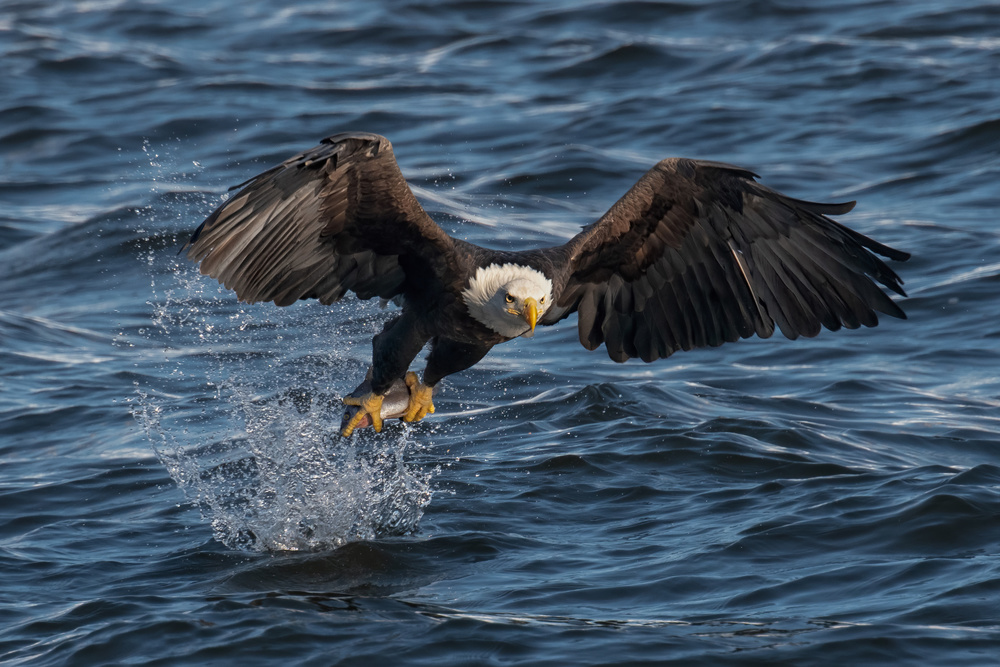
column 698, row 253
column 335, row 218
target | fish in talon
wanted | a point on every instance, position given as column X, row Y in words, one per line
column 394, row 403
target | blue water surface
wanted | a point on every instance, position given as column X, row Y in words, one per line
column 172, row 486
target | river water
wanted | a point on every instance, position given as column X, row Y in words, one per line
column 172, row 486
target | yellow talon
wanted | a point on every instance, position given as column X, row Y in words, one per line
column 420, row 404
column 370, row 405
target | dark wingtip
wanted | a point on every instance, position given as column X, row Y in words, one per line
column 882, row 249
column 844, row 207
column 725, row 166
column 825, row 209
column 194, row 237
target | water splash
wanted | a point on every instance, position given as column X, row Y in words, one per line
column 287, row 480
column 259, row 452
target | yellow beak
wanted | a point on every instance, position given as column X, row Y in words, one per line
column 530, row 312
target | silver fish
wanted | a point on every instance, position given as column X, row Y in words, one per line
column 394, row 403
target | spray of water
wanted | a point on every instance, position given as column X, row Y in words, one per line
column 240, row 411
column 287, row 480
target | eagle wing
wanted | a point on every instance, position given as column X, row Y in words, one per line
column 698, row 253
column 335, row 218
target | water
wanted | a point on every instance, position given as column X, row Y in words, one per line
column 172, row 488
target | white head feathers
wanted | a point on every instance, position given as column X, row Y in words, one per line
column 496, row 297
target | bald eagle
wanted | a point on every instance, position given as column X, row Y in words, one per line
column 696, row 254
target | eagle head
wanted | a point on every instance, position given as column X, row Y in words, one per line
column 508, row 298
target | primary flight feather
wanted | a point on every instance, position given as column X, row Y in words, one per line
column 696, row 254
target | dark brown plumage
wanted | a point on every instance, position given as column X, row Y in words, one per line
column 337, row 218
column 696, row 254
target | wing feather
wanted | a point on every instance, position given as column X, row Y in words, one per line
column 336, row 218
column 698, row 254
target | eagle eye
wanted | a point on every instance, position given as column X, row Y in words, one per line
column 542, row 300
column 509, row 298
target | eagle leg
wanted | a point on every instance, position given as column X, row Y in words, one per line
column 420, row 399
column 370, row 405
